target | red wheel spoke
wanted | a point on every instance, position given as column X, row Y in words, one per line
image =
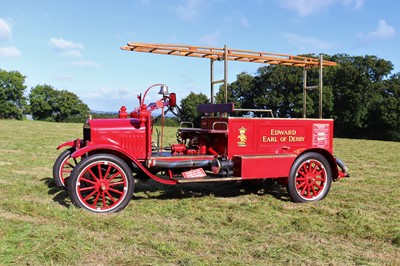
column 301, row 173
column 304, row 189
column 90, row 195
column 314, row 168
column 88, row 181
column 300, row 185
column 111, row 197
column 305, row 168
column 114, row 176
column 107, row 172
column 319, row 173
column 103, row 198
column 318, row 186
column 320, row 179
column 117, row 183
column 93, row 175
column 96, row 199
column 309, row 191
column 66, row 171
column 116, row 191
column 99, row 169
column 313, row 191
column 86, row 188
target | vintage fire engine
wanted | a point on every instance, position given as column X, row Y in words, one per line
column 99, row 170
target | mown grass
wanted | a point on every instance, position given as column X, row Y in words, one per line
column 211, row 224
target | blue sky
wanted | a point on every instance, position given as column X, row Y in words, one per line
column 75, row 45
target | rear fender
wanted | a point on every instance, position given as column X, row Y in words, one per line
column 331, row 160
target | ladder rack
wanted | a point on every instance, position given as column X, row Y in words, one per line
column 231, row 54
column 225, row 54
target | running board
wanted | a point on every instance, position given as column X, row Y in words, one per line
column 207, row 179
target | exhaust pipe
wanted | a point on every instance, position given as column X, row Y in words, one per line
column 180, row 164
column 344, row 171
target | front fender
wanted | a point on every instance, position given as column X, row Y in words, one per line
column 70, row 143
column 107, row 148
column 80, row 152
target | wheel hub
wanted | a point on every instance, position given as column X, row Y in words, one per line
column 102, row 185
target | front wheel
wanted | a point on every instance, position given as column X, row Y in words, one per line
column 101, row 183
column 63, row 167
column 310, row 178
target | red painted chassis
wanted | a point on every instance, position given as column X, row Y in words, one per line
column 297, row 153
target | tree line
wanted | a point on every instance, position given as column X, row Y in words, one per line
column 360, row 94
column 43, row 102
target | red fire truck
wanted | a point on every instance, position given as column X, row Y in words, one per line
column 99, row 169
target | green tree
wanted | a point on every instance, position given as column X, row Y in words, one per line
column 355, row 83
column 70, row 107
column 239, row 91
column 12, row 100
column 384, row 117
column 43, row 105
column 49, row 104
column 188, row 111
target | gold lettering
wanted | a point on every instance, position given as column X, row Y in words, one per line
column 269, row 139
column 296, row 139
column 280, row 132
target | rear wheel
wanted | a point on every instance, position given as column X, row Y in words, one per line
column 101, row 183
column 63, row 167
column 310, row 178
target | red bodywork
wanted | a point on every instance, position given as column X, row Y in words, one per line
column 223, row 148
column 227, row 146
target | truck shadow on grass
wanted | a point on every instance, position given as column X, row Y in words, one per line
column 60, row 194
column 154, row 190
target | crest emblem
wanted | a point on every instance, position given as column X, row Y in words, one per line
column 242, row 137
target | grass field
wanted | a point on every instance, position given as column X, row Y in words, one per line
column 221, row 224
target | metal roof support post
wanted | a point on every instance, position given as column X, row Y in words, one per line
column 304, row 92
column 226, row 72
column 320, row 84
column 212, row 79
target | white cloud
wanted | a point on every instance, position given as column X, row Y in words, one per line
column 383, row 31
column 145, row 2
column 63, row 45
column 72, row 53
column 67, row 48
column 9, row 52
column 356, row 4
column 110, row 93
column 238, row 18
column 85, row 63
column 210, row 39
column 308, row 42
column 310, row 7
column 244, row 21
column 5, row 30
column 188, row 9
column 66, row 78
column 307, row 7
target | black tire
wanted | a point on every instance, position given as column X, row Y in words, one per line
column 63, row 167
column 101, row 183
column 310, row 178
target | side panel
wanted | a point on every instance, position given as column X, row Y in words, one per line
column 249, row 167
column 267, row 136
